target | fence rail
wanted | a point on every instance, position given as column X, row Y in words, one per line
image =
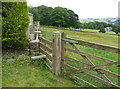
column 96, row 45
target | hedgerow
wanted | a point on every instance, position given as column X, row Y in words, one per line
column 15, row 22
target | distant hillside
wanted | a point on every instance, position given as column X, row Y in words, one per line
column 106, row 20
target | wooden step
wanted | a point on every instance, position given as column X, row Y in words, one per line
column 39, row 57
column 34, row 41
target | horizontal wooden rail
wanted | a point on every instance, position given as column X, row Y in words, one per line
column 39, row 57
column 49, row 62
column 109, row 73
column 97, row 45
column 85, row 82
column 101, row 80
column 45, row 47
column 91, row 56
column 92, row 76
column 100, row 70
column 49, row 56
column 76, row 61
column 45, row 41
column 90, row 68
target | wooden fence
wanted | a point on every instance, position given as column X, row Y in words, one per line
column 56, row 57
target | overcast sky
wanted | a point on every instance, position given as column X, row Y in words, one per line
column 84, row 8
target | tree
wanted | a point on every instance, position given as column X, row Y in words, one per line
column 116, row 28
column 59, row 16
column 102, row 30
column 15, row 21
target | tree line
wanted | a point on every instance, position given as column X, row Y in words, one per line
column 63, row 17
column 100, row 26
column 58, row 16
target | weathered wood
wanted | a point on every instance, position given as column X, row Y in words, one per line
column 101, row 80
column 56, row 62
column 45, row 41
column 109, row 73
column 34, row 41
column 37, row 32
column 45, row 47
column 39, row 57
column 83, row 81
column 77, row 49
column 48, row 56
column 71, row 67
column 49, row 62
column 63, row 52
column 106, row 65
column 70, row 41
column 92, row 76
column 93, row 68
column 97, row 45
column 91, row 56
column 76, row 61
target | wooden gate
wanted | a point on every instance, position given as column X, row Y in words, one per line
column 78, row 62
column 86, row 65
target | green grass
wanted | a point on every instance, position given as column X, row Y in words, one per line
column 93, row 30
column 102, row 38
column 92, row 37
column 22, row 72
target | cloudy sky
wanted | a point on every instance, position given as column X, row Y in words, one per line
column 84, row 8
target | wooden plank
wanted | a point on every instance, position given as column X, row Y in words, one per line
column 91, row 56
column 76, row 61
column 101, row 80
column 97, row 45
column 45, row 41
column 70, row 41
column 92, row 68
column 106, row 65
column 109, row 73
column 48, row 56
column 71, row 67
column 56, row 62
column 92, row 76
column 34, row 41
column 77, row 49
column 45, row 47
column 63, row 52
column 39, row 57
column 83, row 81
column 49, row 62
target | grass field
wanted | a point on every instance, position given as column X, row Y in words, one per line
column 92, row 37
column 93, row 30
column 21, row 72
column 101, row 38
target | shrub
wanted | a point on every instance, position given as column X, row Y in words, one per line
column 15, row 22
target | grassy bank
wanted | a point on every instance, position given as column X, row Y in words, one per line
column 19, row 71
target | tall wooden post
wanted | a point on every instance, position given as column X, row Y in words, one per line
column 56, row 62
column 63, row 52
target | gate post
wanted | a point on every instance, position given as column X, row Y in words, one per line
column 56, row 51
column 63, row 52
